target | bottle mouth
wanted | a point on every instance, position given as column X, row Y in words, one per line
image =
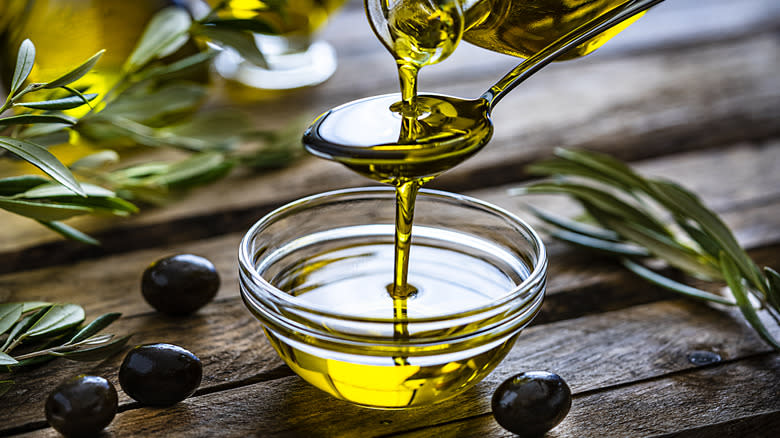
column 295, row 226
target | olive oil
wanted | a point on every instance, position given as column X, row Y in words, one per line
column 453, row 273
column 523, row 28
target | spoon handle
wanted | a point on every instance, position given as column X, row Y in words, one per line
column 560, row 46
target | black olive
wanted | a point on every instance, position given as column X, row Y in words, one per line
column 531, row 403
column 180, row 284
column 81, row 406
column 160, row 374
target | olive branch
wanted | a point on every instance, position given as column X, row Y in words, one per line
column 45, row 331
column 150, row 105
column 639, row 219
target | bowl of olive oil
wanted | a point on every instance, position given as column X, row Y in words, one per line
column 318, row 274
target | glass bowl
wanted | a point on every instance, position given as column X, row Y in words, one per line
column 315, row 272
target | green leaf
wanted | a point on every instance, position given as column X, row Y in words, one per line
column 58, row 104
column 221, row 126
column 77, row 73
column 241, row 42
column 242, row 24
column 17, row 184
column 44, row 160
column 668, row 283
column 95, row 326
column 602, row 200
column 574, row 226
column 23, row 119
column 191, row 169
column 705, row 242
column 175, row 69
column 43, row 211
column 9, row 314
column 684, row 203
column 60, row 317
column 734, row 279
column 95, row 353
column 5, row 386
column 33, row 132
column 29, row 306
column 149, row 105
column 69, row 232
column 97, row 160
column 165, row 33
column 7, row 360
column 773, row 292
column 608, row 246
column 24, row 64
column 605, row 168
column 23, row 325
column 665, row 248
column 55, row 191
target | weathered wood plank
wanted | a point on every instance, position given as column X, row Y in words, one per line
column 697, row 98
column 234, row 353
column 618, row 349
column 224, row 336
column 754, row 176
column 736, row 399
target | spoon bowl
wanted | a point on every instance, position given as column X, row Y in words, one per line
column 381, row 138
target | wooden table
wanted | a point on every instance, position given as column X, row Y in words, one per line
column 691, row 92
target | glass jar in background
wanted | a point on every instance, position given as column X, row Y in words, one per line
column 295, row 57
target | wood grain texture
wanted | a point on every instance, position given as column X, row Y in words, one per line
column 672, row 406
column 745, row 180
column 615, row 349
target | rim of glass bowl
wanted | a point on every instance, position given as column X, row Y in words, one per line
column 534, row 281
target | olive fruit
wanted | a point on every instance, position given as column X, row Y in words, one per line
column 531, row 403
column 180, row 284
column 81, row 406
column 160, row 374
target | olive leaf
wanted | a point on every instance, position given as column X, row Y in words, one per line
column 24, row 64
column 24, row 119
column 165, row 33
column 70, row 232
column 58, row 104
column 17, row 184
column 42, row 211
column 58, row 318
column 95, row 160
column 44, row 160
column 7, row 360
column 773, row 278
column 21, row 326
column 94, row 327
column 733, row 278
column 701, row 245
column 672, row 285
column 241, row 42
column 9, row 314
column 76, row 73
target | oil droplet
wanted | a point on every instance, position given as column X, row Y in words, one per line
column 701, row 357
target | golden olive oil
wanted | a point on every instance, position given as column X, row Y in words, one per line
column 523, row 28
column 349, row 277
column 406, row 142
